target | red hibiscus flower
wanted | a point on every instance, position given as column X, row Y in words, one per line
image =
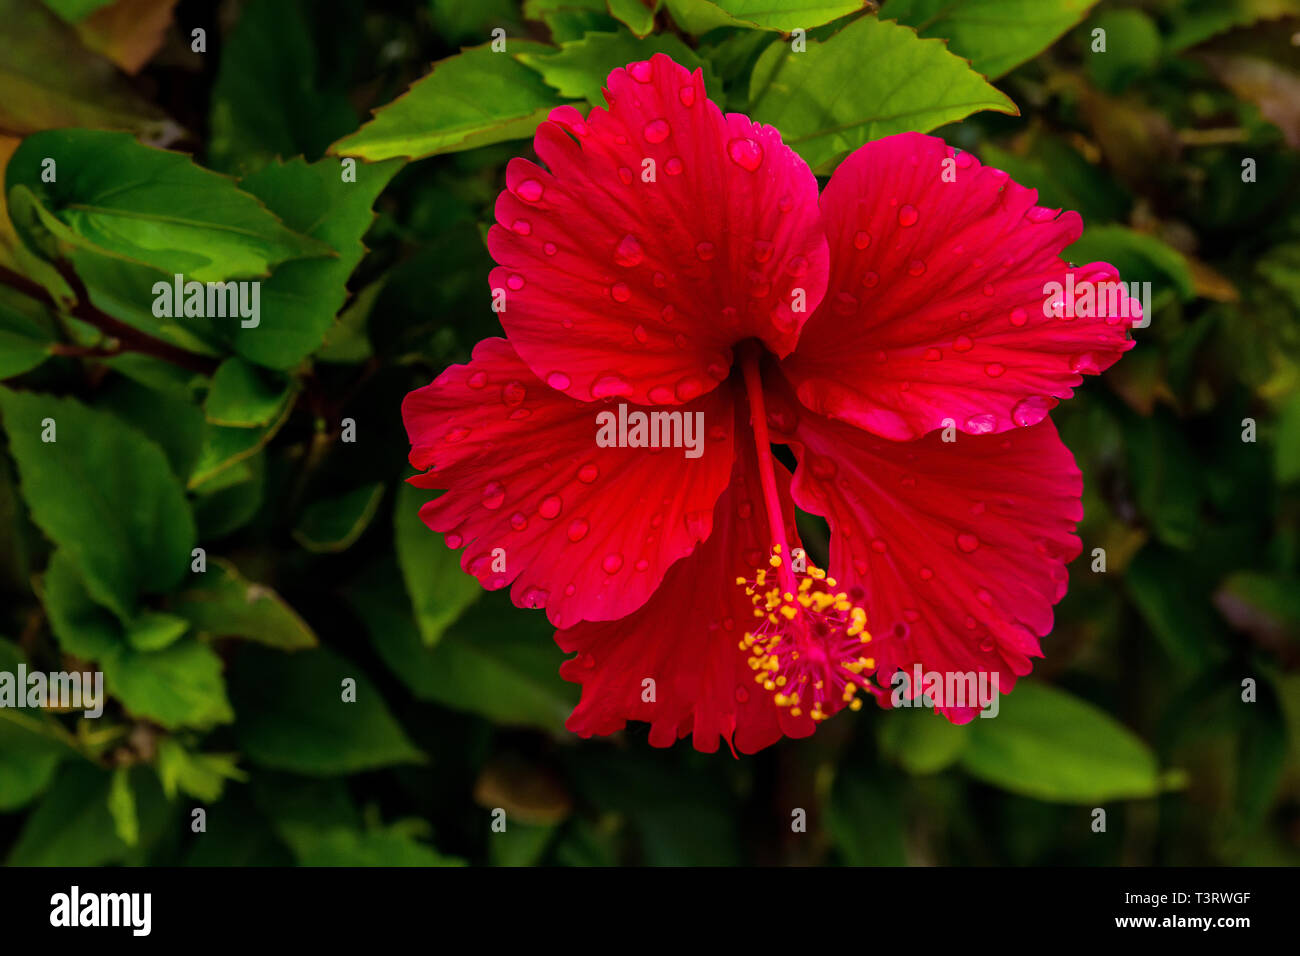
column 673, row 268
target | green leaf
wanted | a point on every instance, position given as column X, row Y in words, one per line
column 149, row 206
column 302, row 297
column 471, row 99
column 242, row 396
column 496, row 662
column 1063, row 178
column 1133, row 48
column 74, row 10
column 270, row 98
column 995, row 35
column 570, row 19
column 1197, row 20
column 922, row 742
column 1137, row 256
column 698, row 17
column 825, row 104
column 202, row 776
column 225, row 448
column 221, row 603
column 1264, row 605
column 121, row 806
column 439, row 590
column 32, row 744
column 341, row 847
column 330, row 525
column 637, row 16
column 178, row 686
column 292, row 715
column 1049, row 745
column 27, row 333
column 104, row 493
column 170, row 418
column 347, row 340
column 228, row 502
column 154, row 630
column 86, row 90
column 579, row 69
column 72, row 826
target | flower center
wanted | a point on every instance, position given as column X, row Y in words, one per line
column 807, row 640
column 806, row 645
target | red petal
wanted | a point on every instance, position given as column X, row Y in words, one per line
column 935, row 307
column 686, row 640
column 587, row 532
column 960, row 546
column 617, row 286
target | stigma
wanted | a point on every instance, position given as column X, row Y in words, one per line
column 807, row 641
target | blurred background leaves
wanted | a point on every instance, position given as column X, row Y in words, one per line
column 202, row 533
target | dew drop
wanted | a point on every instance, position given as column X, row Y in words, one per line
column 662, row 394
column 994, row 369
column 642, row 564
column 1085, row 364
column 530, row 190
column 628, row 252
column 861, row 239
column 687, row 95
column 477, row 379
column 981, row 424
column 907, row 215
column 512, row 393
column 515, row 281
column 762, row 250
column 879, row 546
column 1019, row 317
column 558, row 381
column 1031, row 410
column 625, row 175
column 962, row 343
column 610, row 385
column 612, row 563
column 967, row 542
column 459, row 433
column 588, row 473
column 926, row 574
column 642, row 71
column 578, row 528
column 869, row 279
column 674, row 166
column 916, row 267
column 932, row 355
column 640, row 334
column 454, row 541
column 705, row 250
column 550, row 507
column 494, row 493
column 519, row 521
column 549, row 249
column 745, row 153
column 656, row 131
column 620, row 292
column 522, row 227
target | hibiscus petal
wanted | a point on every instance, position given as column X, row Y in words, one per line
column 935, row 311
column 615, row 285
column 686, row 639
column 960, row 547
column 586, row 532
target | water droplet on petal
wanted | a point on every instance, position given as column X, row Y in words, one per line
column 994, row 369
column 962, row 343
column 687, row 95
column 689, row 388
column 494, row 493
column 926, row 574
column 1019, row 317
column 705, row 250
column 642, row 564
column 610, row 385
column 459, row 433
column 984, row 597
column 620, row 292
column 522, row 227
column 530, row 190
column 519, row 521
column 549, row 249
column 477, row 379
column 1031, row 410
column 981, row 424
column 515, row 281
column 656, row 131
column 861, row 239
column 916, row 267
column 662, row 394
column 558, row 381
column 967, row 542
column 578, row 528
column 512, row 393
column 869, row 279
column 932, row 355
column 612, row 563
column 824, row 468
column 879, row 546
column 588, row 473
column 674, row 166
column 628, row 252
column 1085, row 364
column 454, row 541
column 762, row 250
column 642, row 71
column 625, row 175
column 745, row 153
